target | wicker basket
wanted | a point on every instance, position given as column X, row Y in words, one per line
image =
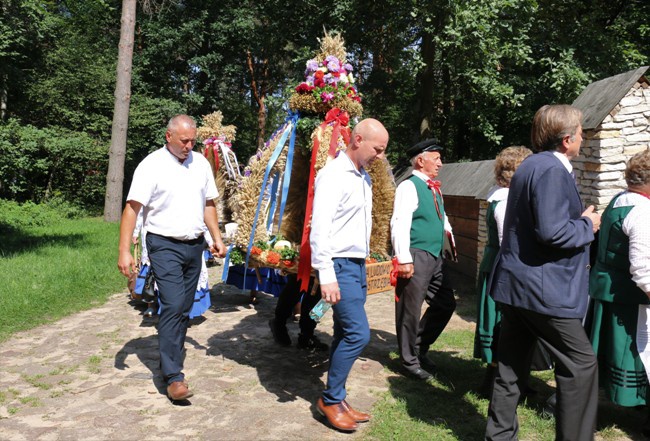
column 378, row 275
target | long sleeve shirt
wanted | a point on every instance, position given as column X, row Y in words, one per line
column 406, row 202
column 341, row 217
column 500, row 195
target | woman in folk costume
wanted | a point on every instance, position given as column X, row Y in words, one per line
column 488, row 315
column 620, row 286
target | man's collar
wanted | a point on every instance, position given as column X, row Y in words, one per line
column 421, row 175
column 564, row 160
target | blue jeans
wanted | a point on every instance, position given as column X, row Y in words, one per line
column 351, row 329
column 176, row 266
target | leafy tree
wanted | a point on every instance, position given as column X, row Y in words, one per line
column 40, row 164
column 21, row 32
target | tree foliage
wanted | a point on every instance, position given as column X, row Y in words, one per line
column 470, row 72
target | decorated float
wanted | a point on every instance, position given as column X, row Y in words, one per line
column 273, row 201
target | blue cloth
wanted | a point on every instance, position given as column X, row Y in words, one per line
column 543, row 264
column 351, row 329
column 177, row 266
column 201, row 303
column 272, row 282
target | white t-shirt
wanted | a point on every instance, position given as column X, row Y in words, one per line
column 173, row 194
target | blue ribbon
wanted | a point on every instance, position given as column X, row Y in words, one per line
column 293, row 118
column 273, row 193
column 226, row 264
column 267, row 172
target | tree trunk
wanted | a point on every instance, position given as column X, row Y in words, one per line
column 259, row 94
column 117, row 154
column 3, row 97
column 427, row 82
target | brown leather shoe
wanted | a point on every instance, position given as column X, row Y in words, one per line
column 178, row 391
column 337, row 416
column 357, row 416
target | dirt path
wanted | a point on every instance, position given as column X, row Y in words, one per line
column 94, row 375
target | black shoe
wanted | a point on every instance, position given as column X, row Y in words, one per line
column 311, row 343
column 280, row 333
column 417, row 373
column 426, row 363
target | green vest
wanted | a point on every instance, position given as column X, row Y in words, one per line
column 492, row 245
column 427, row 229
column 610, row 279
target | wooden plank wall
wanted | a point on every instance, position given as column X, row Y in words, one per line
column 463, row 213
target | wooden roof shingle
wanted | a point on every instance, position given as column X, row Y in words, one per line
column 599, row 98
column 473, row 179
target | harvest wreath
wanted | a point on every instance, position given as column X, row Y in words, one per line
column 272, row 204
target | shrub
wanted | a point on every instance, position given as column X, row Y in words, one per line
column 38, row 165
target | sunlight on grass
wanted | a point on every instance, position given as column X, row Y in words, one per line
column 69, row 265
column 447, row 407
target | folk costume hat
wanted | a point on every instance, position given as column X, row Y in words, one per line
column 428, row 145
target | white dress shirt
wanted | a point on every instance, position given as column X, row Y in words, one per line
column 173, row 194
column 500, row 195
column 342, row 216
column 406, row 202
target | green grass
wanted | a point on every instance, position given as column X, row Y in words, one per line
column 449, row 408
column 53, row 268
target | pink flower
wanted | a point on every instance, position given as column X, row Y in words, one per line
column 326, row 96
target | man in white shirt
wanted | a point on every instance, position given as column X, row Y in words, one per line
column 177, row 190
column 340, row 239
column 418, row 228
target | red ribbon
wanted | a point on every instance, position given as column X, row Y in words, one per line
column 340, row 119
column 215, row 154
column 394, row 274
column 435, row 188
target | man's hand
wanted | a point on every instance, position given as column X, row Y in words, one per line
column 330, row 292
column 218, row 248
column 125, row 263
column 405, row 270
column 595, row 217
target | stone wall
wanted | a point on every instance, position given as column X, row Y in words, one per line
column 605, row 151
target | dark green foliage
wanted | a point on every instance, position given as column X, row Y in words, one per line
column 471, row 73
column 38, row 165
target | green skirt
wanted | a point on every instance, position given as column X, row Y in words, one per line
column 613, row 337
column 487, row 320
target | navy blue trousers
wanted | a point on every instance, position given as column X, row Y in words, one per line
column 176, row 266
column 351, row 329
column 291, row 295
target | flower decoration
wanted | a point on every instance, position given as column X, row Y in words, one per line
column 329, row 82
column 328, row 79
column 215, row 141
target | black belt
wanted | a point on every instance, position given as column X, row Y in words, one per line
column 189, row 241
column 357, row 260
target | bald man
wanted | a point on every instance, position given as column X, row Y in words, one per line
column 177, row 190
column 339, row 239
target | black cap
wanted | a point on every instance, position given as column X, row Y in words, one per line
column 428, row 145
